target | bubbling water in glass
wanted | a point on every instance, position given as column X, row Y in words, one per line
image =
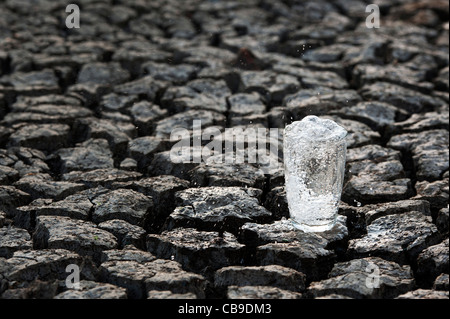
column 314, row 163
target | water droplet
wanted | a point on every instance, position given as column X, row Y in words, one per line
column 358, row 204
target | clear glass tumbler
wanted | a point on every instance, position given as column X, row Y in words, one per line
column 314, row 162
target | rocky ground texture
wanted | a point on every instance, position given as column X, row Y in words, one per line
column 86, row 177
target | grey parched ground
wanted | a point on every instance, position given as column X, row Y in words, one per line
column 85, row 170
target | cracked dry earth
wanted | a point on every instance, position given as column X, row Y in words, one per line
column 86, row 177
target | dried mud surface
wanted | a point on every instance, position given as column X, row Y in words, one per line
column 86, row 177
